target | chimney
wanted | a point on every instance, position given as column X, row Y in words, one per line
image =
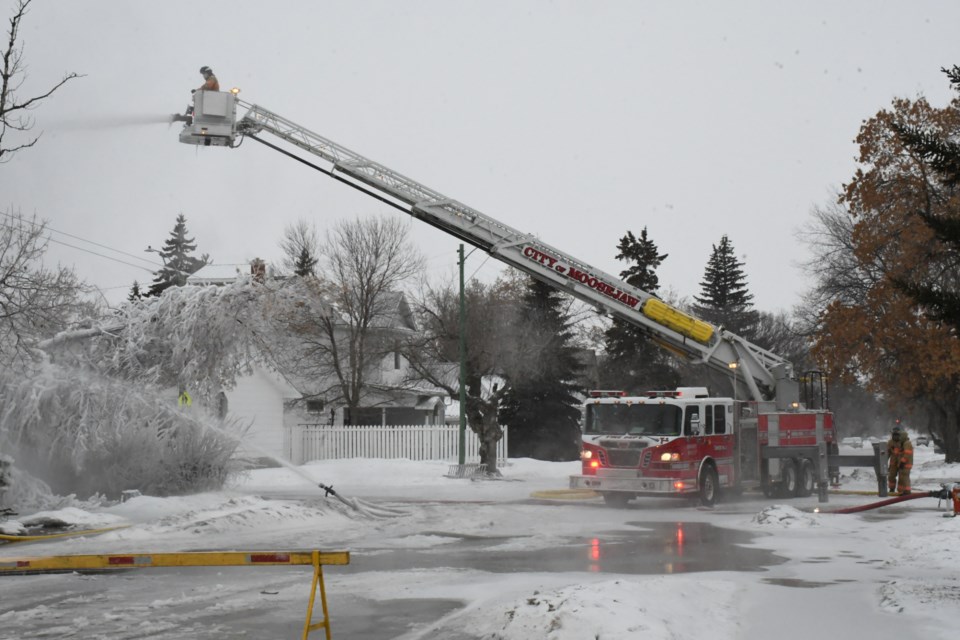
column 258, row 269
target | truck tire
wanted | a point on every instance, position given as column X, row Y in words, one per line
column 616, row 499
column 807, row 479
column 709, row 486
column 789, row 480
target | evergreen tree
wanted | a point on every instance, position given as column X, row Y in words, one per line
column 939, row 149
column 177, row 261
column 633, row 363
column 542, row 410
column 301, row 248
column 724, row 299
column 135, row 294
column 305, row 263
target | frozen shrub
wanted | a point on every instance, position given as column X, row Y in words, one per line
column 86, row 434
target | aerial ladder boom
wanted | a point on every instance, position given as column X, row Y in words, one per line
column 766, row 375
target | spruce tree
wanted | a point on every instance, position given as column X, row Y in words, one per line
column 940, row 150
column 542, row 410
column 633, row 363
column 724, row 299
column 305, row 264
column 135, row 294
column 178, row 263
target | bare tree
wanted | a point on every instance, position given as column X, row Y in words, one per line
column 495, row 353
column 343, row 323
column 838, row 274
column 35, row 301
column 14, row 110
column 301, row 248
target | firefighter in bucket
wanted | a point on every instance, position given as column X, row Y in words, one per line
column 900, row 452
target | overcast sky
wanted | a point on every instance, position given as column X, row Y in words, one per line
column 574, row 121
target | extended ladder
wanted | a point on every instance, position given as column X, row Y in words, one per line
column 670, row 328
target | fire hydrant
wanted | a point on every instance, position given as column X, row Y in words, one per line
column 949, row 492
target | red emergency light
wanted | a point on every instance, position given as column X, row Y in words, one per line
column 603, row 393
column 664, row 394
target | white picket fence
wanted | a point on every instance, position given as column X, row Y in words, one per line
column 306, row 442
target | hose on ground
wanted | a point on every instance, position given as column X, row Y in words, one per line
column 884, row 503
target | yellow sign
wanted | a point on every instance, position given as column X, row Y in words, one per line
column 184, row 400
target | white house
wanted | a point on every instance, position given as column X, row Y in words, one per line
column 271, row 404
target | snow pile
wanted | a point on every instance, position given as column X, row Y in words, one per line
column 12, row 528
column 934, row 547
column 73, row 517
column 782, row 516
column 208, row 514
column 615, row 609
column 934, row 471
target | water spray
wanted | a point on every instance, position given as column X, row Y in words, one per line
column 110, row 122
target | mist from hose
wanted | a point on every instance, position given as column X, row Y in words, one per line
column 99, row 123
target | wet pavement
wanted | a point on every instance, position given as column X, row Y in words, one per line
column 654, row 548
column 270, row 602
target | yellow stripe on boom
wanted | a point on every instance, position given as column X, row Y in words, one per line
column 662, row 313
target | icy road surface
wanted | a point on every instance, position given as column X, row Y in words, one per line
column 469, row 560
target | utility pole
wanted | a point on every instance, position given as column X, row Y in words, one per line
column 463, row 367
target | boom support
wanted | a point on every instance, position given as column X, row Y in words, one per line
column 767, row 375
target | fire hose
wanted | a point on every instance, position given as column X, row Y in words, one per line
column 945, row 492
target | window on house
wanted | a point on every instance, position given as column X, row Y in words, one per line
column 314, row 406
column 396, row 355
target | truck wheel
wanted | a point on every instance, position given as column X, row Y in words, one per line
column 788, row 479
column 807, row 481
column 616, row 499
column 709, row 486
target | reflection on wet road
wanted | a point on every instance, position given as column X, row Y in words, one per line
column 654, row 548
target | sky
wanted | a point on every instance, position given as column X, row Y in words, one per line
column 883, row 573
column 575, row 121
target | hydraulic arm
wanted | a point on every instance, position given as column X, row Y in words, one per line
column 768, row 376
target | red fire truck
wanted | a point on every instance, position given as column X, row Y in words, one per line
column 684, row 442
column 678, row 443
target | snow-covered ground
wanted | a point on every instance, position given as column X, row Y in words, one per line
column 419, row 537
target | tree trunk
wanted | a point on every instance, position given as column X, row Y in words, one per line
column 483, row 420
column 951, row 435
column 488, row 448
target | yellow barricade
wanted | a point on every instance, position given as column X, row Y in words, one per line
column 31, row 564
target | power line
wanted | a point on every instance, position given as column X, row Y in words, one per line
column 70, row 235
column 67, row 244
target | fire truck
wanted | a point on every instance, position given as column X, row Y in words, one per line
column 681, row 443
column 685, row 442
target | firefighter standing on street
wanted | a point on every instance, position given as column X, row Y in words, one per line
column 900, row 452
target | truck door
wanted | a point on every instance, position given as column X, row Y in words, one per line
column 719, row 438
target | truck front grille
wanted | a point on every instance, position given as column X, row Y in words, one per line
column 624, row 457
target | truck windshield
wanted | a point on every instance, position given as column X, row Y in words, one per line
column 634, row 419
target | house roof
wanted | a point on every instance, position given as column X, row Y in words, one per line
column 218, row 273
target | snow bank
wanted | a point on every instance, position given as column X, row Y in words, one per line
column 658, row 607
column 786, row 517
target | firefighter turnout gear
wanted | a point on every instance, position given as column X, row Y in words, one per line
column 210, row 81
column 900, row 452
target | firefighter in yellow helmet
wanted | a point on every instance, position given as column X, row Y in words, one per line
column 900, row 452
